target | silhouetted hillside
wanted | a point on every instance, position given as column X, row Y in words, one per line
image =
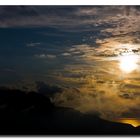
column 32, row 113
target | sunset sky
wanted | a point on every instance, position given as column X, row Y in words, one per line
column 91, row 52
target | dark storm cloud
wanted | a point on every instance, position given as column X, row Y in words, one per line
column 110, row 22
column 12, row 16
column 64, row 15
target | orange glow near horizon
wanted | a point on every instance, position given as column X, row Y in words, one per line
column 135, row 122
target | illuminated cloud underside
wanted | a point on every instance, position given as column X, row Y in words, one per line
column 102, row 84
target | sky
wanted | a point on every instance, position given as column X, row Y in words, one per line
column 91, row 53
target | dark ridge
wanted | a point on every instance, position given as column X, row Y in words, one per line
column 32, row 113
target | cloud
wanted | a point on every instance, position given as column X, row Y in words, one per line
column 45, row 56
column 100, row 24
column 51, row 56
column 65, row 54
column 86, row 11
column 72, row 18
column 35, row 44
column 94, row 83
column 104, row 98
column 41, row 55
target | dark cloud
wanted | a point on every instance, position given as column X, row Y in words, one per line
column 108, row 22
column 64, row 15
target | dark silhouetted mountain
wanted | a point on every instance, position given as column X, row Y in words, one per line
column 32, row 113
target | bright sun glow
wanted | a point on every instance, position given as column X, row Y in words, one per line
column 128, row 63
column 135, row 122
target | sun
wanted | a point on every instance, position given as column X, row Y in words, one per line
column 128, row 63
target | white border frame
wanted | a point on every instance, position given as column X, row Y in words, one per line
column 70, row 2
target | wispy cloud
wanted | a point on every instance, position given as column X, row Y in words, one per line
column 110, row 21
column 33, row 44
column 50, row 56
